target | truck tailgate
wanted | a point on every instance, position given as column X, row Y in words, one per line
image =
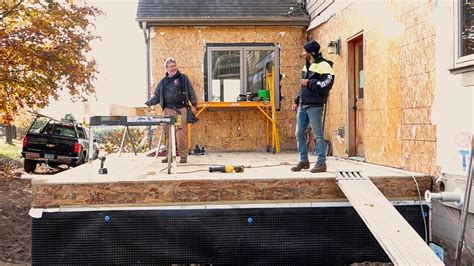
column 53, row 144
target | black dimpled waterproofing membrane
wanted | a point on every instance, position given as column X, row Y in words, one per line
column 321, row 235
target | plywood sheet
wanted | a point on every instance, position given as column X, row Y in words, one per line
column 399, row 79
column 237, row 130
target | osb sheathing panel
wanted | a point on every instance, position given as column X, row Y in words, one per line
column 197, row 37
column 418, row 83
column 399, row 56
column 232, row 130
column 225, row 191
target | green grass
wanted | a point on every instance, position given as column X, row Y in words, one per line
column 10, row 151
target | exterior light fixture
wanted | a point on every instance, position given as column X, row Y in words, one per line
column 334, row 47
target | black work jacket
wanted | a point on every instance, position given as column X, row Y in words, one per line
column 320, row 75
column 187, row 92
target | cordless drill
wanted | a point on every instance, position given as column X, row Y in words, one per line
column 227, row 168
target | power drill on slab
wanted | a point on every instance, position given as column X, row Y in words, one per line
column 227, row 168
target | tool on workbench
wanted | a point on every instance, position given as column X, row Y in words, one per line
column 227, row 168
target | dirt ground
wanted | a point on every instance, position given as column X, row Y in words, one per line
column 15, row 224
column 15, row 201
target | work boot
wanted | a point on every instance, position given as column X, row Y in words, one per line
column 299, row 166
column 319, row 168
column 183, row 160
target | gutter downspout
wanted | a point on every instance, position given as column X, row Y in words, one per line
column 465, row 208
column 146, row 34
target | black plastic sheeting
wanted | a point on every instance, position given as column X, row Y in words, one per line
column 318, row 235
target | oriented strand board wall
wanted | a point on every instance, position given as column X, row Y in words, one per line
column 232, row 130
column 399, row 80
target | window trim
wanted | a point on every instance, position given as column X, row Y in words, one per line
column 460, row 61
column 242, row 47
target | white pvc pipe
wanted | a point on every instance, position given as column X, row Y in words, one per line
column 456, row 197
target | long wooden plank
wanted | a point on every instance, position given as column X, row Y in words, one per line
column 399, row 240
column 116, row 109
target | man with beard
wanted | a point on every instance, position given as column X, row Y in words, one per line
column 173, row 93
column 317, row 78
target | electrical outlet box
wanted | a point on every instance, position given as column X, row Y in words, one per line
column 340, row 132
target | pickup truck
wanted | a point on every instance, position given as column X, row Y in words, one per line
column 55, row 142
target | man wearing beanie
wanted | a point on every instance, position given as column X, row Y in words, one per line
column 317, row 78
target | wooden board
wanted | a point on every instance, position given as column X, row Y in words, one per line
column 399, row 240
column 116, row 109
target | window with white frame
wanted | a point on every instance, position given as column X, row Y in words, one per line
column 237, row 70
column 464, row 34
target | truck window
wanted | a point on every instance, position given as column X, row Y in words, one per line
column 48, row 129
column 64, row 130
column 59, row 130
column 80, row 132
column 38, row 124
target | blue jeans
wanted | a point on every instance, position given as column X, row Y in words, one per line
column 310, row 115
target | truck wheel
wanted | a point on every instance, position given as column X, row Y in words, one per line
column 82, row 160
column 29, row 166
column 85, row 157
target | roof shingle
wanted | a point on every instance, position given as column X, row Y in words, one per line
column 166, row 11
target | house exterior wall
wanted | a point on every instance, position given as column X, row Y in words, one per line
column 453, row 109
column 419, row 113
column 453, row 115
column 231, row 130
column 399, row 80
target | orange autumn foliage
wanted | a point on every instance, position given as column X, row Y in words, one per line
column 43, row 50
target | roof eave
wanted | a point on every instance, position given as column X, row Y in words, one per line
column 234, row 21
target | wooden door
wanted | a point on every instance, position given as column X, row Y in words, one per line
column 359, row 96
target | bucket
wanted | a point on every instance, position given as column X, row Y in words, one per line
column 264, row 94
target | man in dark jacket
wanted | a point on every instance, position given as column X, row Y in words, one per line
column 317, row 78
column 173, row 93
